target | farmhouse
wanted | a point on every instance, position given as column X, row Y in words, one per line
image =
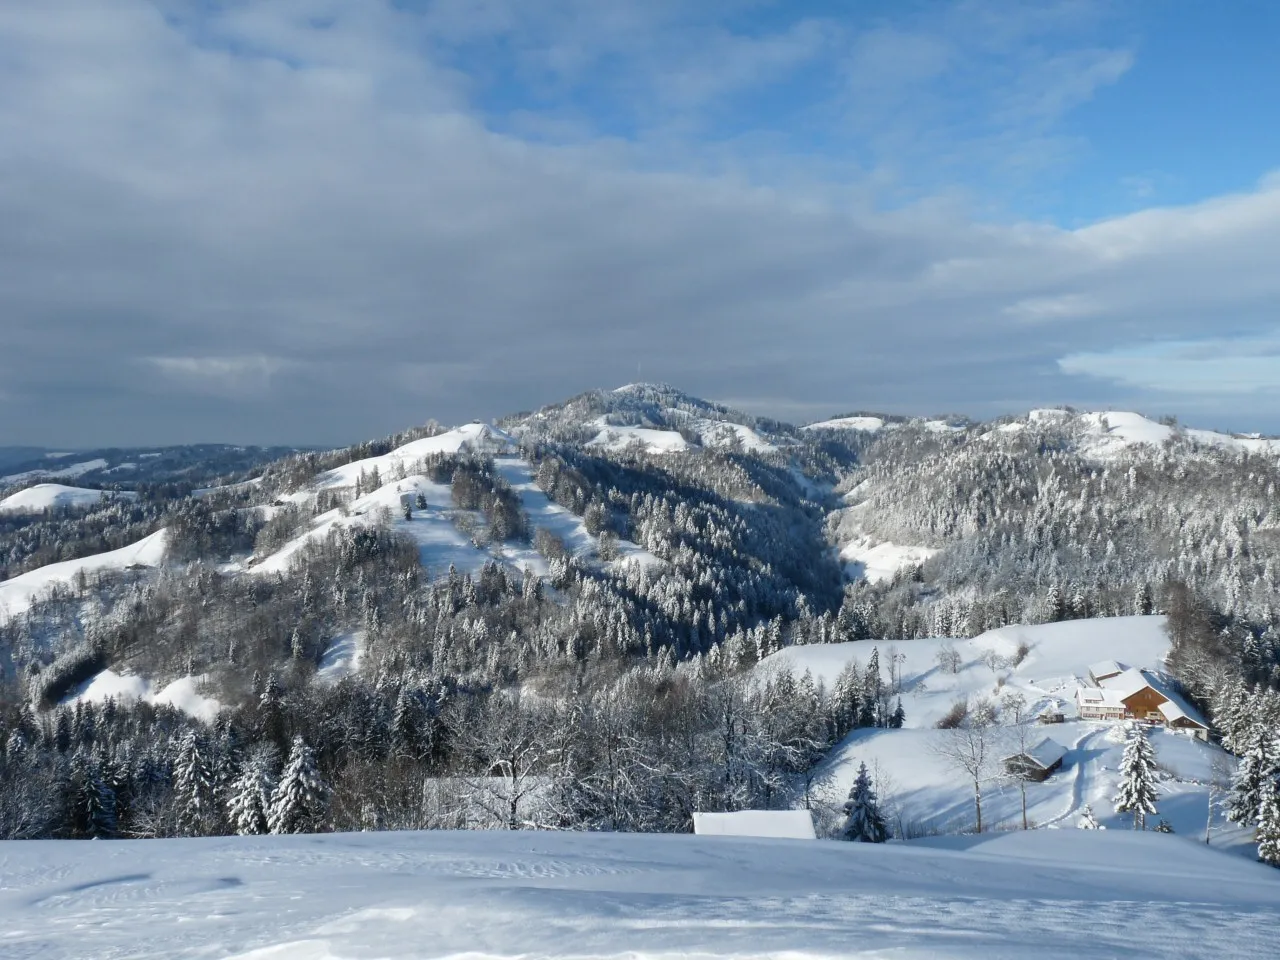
column 1038, row 762
column 1141, row 695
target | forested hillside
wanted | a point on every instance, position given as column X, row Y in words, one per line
column 550, row 621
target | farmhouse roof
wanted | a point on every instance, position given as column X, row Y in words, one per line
column 1106, row 668
column 1044, row 754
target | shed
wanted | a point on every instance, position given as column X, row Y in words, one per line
column 1038, row 762
column 782, row 824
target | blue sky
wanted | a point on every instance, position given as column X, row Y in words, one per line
column 320, row 220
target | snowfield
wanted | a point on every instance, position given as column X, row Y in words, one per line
column 614, row 438
column 923, row 793
column 55, row 496
column 183, row 693
column 1045, row 894
column 865, row 424
column 876, row 562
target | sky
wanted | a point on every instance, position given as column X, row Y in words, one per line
column 318, row 221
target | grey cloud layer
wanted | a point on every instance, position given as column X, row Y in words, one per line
column 266, row 231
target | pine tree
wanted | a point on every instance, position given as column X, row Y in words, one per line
column 95, row 801
column 301, row 796
column 863, row 821
column 1268, row 835
column 1258, row 766
column 1138, row 778
column 251, row 792
column 193, row 785
column 1087, row 820
column 898, row 717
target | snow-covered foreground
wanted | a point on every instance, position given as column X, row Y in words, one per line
column 1044, row 894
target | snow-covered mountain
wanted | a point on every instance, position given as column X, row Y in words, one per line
column 429, row 608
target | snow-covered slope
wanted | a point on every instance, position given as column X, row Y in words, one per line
column 877, row 561
column 54, row 496
column 16, row 594
column 621, row 437
column 441, row 541
column 479, row 437
column 865, row 424
column 183, row 693
column 1046, row 894
column 926, row 793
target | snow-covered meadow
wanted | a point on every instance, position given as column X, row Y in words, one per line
column 1046, row 894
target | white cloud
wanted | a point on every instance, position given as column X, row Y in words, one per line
column 220, row 375
column 309, row 223
column 1215, row 368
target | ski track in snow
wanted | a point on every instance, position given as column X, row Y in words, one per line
column 1047, row 894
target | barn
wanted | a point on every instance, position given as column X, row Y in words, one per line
column 1038, row 762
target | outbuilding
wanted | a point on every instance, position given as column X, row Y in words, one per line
column 1038, row 762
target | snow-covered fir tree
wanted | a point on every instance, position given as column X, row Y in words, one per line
column 1137, row 794
column 193, row 782
column 1259, row 766
column 863, row 820
column 252, row 791
column 301, row 796
column 1268, row 834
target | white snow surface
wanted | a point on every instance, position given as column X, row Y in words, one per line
column 342, row 657
column 876, row 561
column 52, row 496
column 922, row 791
column 1044, row 894
column 1111, row 432
column 865, row 424
column 480, row 437
column 615, row 438
column 183, row 693
column 440, row 541
column 779, row 824
column 16, row 595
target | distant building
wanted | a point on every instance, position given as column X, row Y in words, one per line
column 1038, row 762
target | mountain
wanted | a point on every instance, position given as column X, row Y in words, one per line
column 193, row 464
column 578, row 598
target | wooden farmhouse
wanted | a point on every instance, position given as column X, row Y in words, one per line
column 1129, row 694
column 1038, row 762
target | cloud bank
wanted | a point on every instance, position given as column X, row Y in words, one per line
column 319, row 220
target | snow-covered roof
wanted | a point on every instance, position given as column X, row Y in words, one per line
column 1126, row 684
column 1098, row 696
column 1044, row 754
column 1106, row 668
